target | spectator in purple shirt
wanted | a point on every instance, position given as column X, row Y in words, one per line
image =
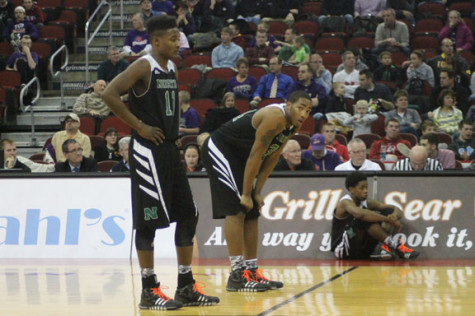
column 24, row 61
column 323, row 159
column 242, row 84
column 189, row 117
column 136, row 42
column 18, row 28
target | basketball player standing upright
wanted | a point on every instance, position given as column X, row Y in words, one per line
column 161, row 193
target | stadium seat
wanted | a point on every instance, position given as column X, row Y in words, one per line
column 398, row 58
column 96, row 140
column 118, row 124
column 331, row 59
column 377, row 127
column 268, row 101
column 444, row 138
column 368, row 139
column 106, row 165
column 330, row 44
column 257, row 72
column 424, row 26
column 306, row 28
column 341, row 139
column 465, row 8
column 361, row 41
column 6, row 49
column 303, row 140
column 54, row 35
column 42, row 49
column 409, row 137
column 221, row 73
column 291, row 71
column 311, row 8
column 192, row 60
column 188, row 139
column 38, row 156
column 468, row 57
column 425, row 42
column 10, row 79
column 88, row 125
column 189, row 76
column 242, row 105
column 435, row 9
column 277, row 28
column 308, row 126
column 202, row 105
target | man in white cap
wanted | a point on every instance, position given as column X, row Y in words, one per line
column 71, row 131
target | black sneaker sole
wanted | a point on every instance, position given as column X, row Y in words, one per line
column 246, row 289
column 159, row 308
column 200, row 304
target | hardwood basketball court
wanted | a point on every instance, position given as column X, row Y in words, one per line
column 312, row 287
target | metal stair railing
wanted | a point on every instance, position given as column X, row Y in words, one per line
column 24, row 108
column 59, row 72
column 88, row 40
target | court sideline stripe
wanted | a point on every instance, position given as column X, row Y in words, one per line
column 290, row 300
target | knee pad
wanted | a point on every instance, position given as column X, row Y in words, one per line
column 144, row 239
column 185, row 231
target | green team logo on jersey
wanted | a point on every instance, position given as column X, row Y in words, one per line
column 150, row 213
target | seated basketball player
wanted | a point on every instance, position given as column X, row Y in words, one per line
column 358, row 223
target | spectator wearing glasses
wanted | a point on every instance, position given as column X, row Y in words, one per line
column 75, row 161
column 292, row 158
column 71, row 131
column 358, row 161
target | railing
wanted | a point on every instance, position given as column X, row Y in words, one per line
column 59, row 72
column 24, row 108
column 88, row 40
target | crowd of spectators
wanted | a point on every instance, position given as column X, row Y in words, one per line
column 372, row 84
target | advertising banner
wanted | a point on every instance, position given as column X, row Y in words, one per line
column 70, row 218
column 295, row 221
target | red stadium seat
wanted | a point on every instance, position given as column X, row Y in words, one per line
column 221, row 73
column 312, row 7
column 118, row 124
column 330, row 44
column 436, row 9
column 10, row 79
column 257, row 72
column 87, row 125
column 444, row 138
column 268, row 101
column 192, row 60
column 53, row 35
column 424, row 26
column 202, row 105
column 465, row 8
column 409, row 137
column 6, row 49
column 308, row 126
column 341, row 139
column 43, row 50
column 277, row 28
column 303, row 140
column 425, row 42
column 242, row 105
column 368, row 139
column 189, row 76
column 96, row 140
column 361, row 42
column 38, row 156
column 106, row 165
column 188, row 139
column 291, row 71
column 331, row 59
column 377, row 127
column 306, row 28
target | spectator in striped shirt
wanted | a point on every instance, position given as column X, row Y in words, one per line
column 447, row 115
column 418, row 161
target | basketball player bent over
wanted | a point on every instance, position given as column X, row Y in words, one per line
column 248, row 146
column 161, row 193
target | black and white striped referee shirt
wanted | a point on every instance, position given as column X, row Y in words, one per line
column 405, row 165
